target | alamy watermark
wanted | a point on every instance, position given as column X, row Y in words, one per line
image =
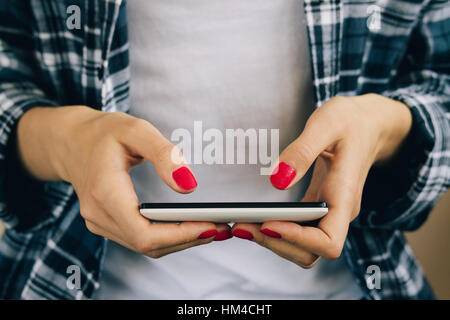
column 231, row 146
column 374, row 18
column 373, row 277
column 73, row 21
column 73, row 281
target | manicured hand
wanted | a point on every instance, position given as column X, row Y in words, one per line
column 95, row 151
column 344, row 137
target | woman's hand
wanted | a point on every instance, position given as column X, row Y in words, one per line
column 346, row 135
column 95, row 151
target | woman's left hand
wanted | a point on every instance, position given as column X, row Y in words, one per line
column 344, row 137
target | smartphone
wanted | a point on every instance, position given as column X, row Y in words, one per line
column 227, row 212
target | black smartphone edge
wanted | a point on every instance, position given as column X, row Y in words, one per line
column 199, row 205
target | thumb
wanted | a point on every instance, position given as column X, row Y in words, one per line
column 297, row 158
column 146, row 141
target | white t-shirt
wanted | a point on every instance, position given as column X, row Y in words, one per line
column 229, row 64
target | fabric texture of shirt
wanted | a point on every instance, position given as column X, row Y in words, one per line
column 227, row 65
column 403, row 55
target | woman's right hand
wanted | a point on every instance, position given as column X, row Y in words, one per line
column 94, row 151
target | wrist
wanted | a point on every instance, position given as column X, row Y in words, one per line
column 69, row 137
column 392, row 121
column 32, row 137
column 45, row 136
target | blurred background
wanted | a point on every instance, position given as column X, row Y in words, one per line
column 431, row 244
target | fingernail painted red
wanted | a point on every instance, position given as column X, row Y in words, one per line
column 223, row 235
column 283, row 175
column 243, row 234
column 270, row 233
column 207, row 234
column 184, row 178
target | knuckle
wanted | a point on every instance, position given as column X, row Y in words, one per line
column 119, row 116
column 304, row 153
column 163, row 151
column 263, row 242
column 116, row 119
column 307, row 266
column 86, row 213
column 309, row 262
column 138, row 124
column 132, row 125
column 356, row 211
column 339, row 100
column 306, row 262
column 155, row 254
column 92, row 228
column 143, row 246
column 332, row 252
column 338, row 106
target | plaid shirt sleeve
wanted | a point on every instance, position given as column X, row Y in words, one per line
column 407, row 191
column 19, row 92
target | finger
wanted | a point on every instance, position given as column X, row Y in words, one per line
column 311, row 239
column 340, row 190
column 146, row 141
column 279, row 246
column 96, row 229
column 163, row 252
column 223, row 232
column 120, row 202
column 319, row 134
column 153, row 253
column 290, row 252
column 198, row 242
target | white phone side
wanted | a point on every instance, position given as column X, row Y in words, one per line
column 234, row 214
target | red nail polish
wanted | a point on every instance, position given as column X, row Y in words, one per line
column 184, row 178
column 283, row 176
column 243, row 234
column 270, row 233
column 223, row 235
column 207, row 234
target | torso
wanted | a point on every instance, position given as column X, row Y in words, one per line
column 230, row 64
